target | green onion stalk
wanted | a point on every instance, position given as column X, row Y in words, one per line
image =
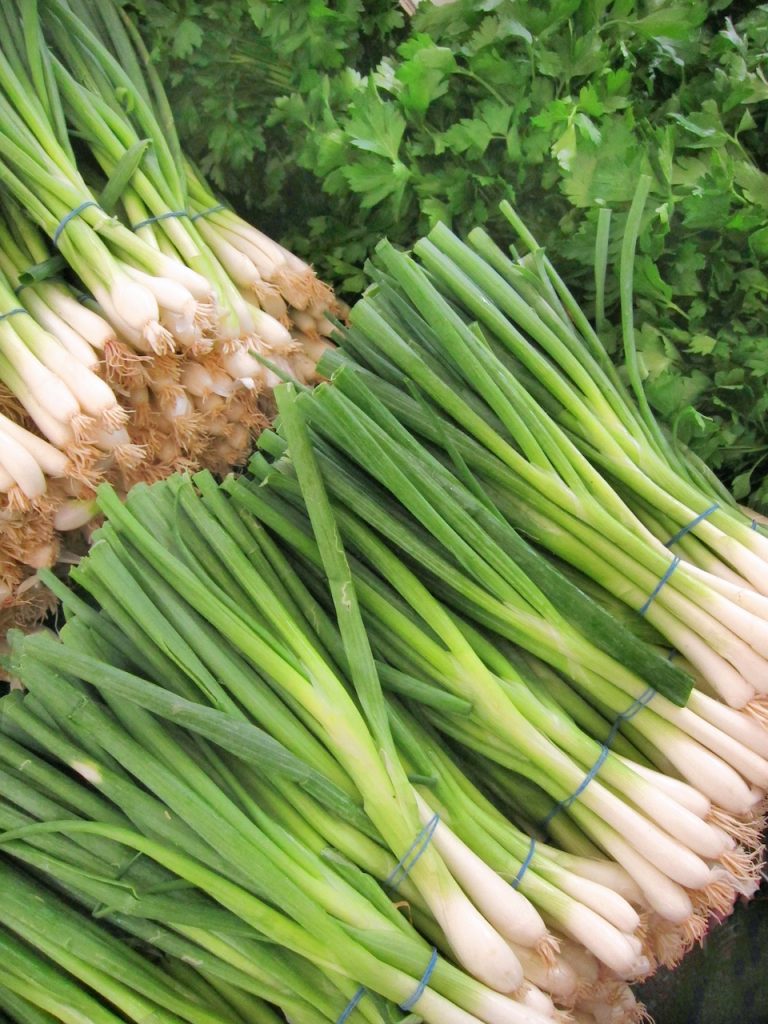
column 101, row 575
column 39, row 172
column 598, row 677
column 255, row 263
column 179, row 577
column 89, row 953
column 27, row 263
column 312, row 683
column 637, row 469
column 517, row 921
column 240, row 860
column 547, row 431
column 142, row 899
column 98, row 553
column 170, row 201
column 150, row 357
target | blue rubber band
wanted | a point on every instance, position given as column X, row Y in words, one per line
column 350, row 1007
column 411, row 856
column 565, row 804
column 160, row 216
column 670, row 569
column 206, row 213
column 637, row 705
column 409, row 1004
column 12, row 312
column 70, row 216
column 515, row 883
column 692, row 525
column 640, row 702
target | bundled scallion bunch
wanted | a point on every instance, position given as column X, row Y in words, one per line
column 339, row 721
column 136, row 311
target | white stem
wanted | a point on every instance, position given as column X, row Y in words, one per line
column 705, row 770
column 59, row 433
column 495, row 1008
column 681, row 792
column 669, row 854
column 599, row 898
column 478, row 947
column 184, row 330
column 241, row 363
column 606, row 873
column 739, row 726
column 172, row 269
column 739, row 594
column 272, row 254
column 93, row 328
column 73, row 342
column 262, row 263
column 92, row 394
column 169, row 295
column 713, row 624
column 108, row 440
column 52, row 461
column 610, row 945
column 237, row 263
column 20, row 464
column 134, row 303
column 747, row 624
column 126, row 331
column 434, row 1009
column 720, row 675
column 536, row 1000
column 38, row 378
column 748, row 564
column 733, row 752
column 272, row 332
column 661, row 893
column 510, row 913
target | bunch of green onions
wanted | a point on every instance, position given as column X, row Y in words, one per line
column 511, row 379
column 298, row 702
column 241, row 805
column 371, row 706
column 160, row 349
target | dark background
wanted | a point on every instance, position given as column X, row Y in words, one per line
column 723, row 982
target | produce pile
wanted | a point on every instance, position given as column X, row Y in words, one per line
column 452, row 708
column 135, row 308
